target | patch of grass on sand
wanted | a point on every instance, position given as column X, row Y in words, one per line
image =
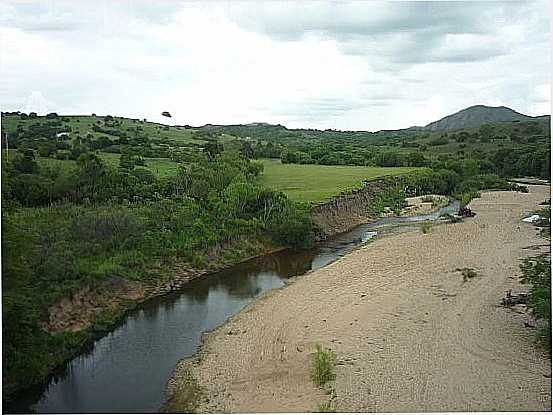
column 322, row 365
column 468, row 273
column 317, row 184
column 426, row 227
column 326, row 406
column 185, row 396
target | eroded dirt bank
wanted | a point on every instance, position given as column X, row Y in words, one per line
column 409, row 334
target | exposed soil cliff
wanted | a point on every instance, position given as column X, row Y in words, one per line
column 76, row 312
column 79, row 310
column 346, row 211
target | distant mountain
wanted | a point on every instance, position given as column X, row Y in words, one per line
column 477, row 115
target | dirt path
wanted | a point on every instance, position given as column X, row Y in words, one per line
column 408, row 333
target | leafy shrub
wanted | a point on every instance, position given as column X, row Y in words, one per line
column 143, row 174
column 426, row 227
column 468, row 273
column 536, row 271
column 466, row 197
column 322, row 366
column 392, row 197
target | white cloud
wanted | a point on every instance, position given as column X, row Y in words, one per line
column 346, row 65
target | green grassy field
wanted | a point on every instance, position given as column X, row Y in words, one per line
column 316, row 184
column 161, row 167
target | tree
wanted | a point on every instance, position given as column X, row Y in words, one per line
column 25, row 163
column 212, row 149
column 416, row 159
column 144, row 175
column 126, row 162
column 485, row 131
column 246, row 150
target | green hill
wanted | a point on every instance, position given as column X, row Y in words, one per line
column 475, row 116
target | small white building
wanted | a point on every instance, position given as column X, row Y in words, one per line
column 59, row 135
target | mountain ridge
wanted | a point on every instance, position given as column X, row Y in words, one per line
column 476, row 115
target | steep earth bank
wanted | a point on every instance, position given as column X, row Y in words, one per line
column 409, row 333
column 346, row 211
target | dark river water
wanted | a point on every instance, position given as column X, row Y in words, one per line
column 127, row 370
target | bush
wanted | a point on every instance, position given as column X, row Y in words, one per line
column 468, row 273
column 536, row 271
column 322, row 366
column 426, row 227
column 439, row 141
column 325, row 407
column 143, row 174
column 466, row 197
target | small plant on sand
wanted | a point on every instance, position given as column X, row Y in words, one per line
column 322, row 365
column 425, row 227
column 326, row 407
column 468, row 273
column 185, row 395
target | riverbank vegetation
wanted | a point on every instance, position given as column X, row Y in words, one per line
column 64, row 229
column 536, row 271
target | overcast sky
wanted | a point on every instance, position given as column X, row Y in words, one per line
column 351, row 66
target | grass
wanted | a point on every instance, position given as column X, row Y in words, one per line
column 426, row 227
column 161, row 167
column 325, row 407
column 317, row 184
column 322, row 365
column 185, row 397
column 468, row 273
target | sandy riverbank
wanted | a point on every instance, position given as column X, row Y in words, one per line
column 408, row 333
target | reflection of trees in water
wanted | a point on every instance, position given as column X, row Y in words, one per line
column 239, row 281
column 244, row 280
column 198, row 290
column 288, row 263
column 150, row 313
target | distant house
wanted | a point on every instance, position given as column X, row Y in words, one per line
column 64, row 134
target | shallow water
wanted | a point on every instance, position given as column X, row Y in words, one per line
column 127, row 370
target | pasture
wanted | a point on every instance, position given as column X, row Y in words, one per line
column 315, row 183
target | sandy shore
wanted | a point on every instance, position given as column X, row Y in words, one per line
column 409, row 334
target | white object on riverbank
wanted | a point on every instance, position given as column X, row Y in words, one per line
column 531, row 219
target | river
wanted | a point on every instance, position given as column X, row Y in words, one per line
column 127, row 370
